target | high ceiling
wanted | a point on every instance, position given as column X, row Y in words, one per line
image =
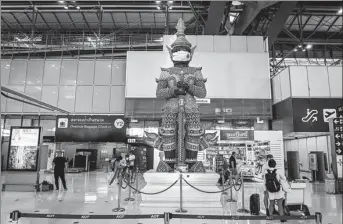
column 47, row 28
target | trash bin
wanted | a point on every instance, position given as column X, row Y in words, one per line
column 330, row 184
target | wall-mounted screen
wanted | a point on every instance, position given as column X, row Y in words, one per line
column 23, row 148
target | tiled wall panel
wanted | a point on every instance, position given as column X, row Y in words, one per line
column 35, row 70
column 5, row 71
column 101, row 97
column 35, row 92
column 85, row 74
column 208, row 43
column 84, row 99
column 117, row 99
column 308, row 82
column 103, row 71
column 50, row 96
column 335, row 79
column 78, row 86
column 52, row 70
column 318, row 81
column 68, row 72
column 18, row 72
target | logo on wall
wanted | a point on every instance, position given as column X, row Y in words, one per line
column 119, row 123
column 311, row 116
column 329, row 113
column 62, row 123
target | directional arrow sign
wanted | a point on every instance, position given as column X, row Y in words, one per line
column 338, row 120
column 339, row 151
column 338, row 136
column 338, row 143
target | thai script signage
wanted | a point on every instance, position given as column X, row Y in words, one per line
column 237, row 135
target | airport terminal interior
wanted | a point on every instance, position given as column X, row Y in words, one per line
column 171, row 112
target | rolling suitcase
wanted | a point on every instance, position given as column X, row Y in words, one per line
column 255, row 204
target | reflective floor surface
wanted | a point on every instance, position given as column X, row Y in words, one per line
column 89, row 194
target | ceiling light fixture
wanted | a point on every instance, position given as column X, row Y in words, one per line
column 65, row 7
column 158, row 2
column 304, row 49
column 171, row 7
column 78, row 7
column 158, row 7
column 340, row 11
column 61, row 1
column 295, row 50
column 300, row 46
column 309, row 46
column 170, row 2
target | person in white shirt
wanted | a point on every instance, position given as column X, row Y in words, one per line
column 132, row 159
column 265, row 167
column 273, row 179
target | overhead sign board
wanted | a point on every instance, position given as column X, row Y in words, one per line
column 307, row 115
column 237, row 135
column 88, row 128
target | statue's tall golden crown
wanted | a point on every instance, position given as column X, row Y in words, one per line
column 181, row 40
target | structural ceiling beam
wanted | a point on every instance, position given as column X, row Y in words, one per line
column 215, row 16
column 278, row 22
column 250, row 11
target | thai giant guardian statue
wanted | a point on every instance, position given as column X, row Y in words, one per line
column 180, row 135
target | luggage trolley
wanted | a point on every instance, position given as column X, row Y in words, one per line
column 295, row 200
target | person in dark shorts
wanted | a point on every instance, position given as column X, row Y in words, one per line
column 266, row 167
column 59, row 163
column 233, row 164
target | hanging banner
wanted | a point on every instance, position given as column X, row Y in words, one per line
column 80, row 128
column 237, row 135
column 23, row 148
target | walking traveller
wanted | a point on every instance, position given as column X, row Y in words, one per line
column 273, row 179
column 265, row 167
column 117, row 168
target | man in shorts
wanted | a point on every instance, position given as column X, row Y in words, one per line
column 266, row 167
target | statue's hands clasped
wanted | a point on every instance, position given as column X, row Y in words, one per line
column 179, row 91
column 183, row 85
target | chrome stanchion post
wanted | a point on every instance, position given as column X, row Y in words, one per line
column 166, row 218
column 318, row 218
column 119, row 209
column 15, row 215
column 223, row 183
column 136, row 192
column 243, row 209
column 181, row 210
column 231, row 192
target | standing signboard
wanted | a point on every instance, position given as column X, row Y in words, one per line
column 336, row 134
column 23, row 149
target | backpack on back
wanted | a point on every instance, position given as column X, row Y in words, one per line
column 272, row 183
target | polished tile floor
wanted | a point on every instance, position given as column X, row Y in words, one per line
column 89, row 194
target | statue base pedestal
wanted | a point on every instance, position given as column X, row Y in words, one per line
column 171, row 198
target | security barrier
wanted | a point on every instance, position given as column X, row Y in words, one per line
column 16, row 215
